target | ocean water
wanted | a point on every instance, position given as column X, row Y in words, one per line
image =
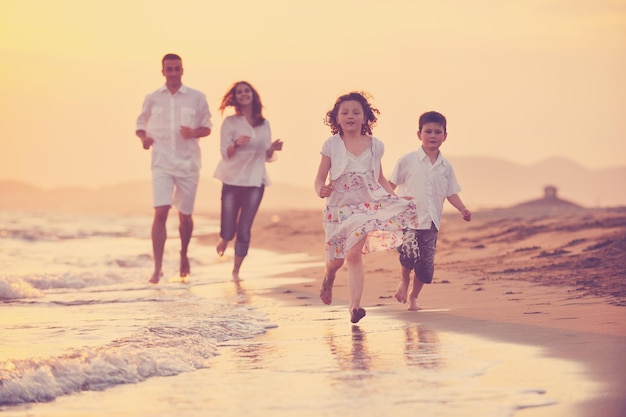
column 82, row 333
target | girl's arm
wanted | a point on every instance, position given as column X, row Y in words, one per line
column 321, row 189
column 384, row 182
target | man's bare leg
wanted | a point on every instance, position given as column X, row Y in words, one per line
column 326, row 291
column 159, row 235
column 185, row 230
column 403, row 286
column 417, row 287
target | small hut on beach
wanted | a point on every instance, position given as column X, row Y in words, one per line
column 549, row 203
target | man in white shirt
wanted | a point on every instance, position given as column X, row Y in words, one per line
column 172, row 120
column 428, row 178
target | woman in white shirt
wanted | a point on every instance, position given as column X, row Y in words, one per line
column 246, row 145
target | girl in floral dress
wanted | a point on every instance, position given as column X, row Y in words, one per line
column 362, row 212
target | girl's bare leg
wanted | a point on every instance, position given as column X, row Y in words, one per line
column 356, row 280
column 326, row 291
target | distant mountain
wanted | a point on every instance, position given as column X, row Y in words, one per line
column 487, row 183
column 136, row 197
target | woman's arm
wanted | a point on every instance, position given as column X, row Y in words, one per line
column 227, row 144
column 277, row 145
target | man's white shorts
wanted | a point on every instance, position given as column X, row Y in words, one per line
column 169, row 190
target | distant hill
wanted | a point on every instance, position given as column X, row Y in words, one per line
column 487, row 183
column 136, row 197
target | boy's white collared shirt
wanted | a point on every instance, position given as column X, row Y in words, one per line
column 429, row 184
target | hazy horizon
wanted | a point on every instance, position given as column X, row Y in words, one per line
column 486, row 183
column 305, row 181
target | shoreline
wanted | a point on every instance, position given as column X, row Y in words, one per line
column 567, row 321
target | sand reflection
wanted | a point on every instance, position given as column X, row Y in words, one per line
column 351, row 356
column 253, row 356
column 242, row 294
column 422, row 347
column 360, row 358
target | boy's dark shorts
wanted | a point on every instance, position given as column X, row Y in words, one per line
column 417, row 252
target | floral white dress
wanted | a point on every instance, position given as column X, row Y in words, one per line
column 359, row 206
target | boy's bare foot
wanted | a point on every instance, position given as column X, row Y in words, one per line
column 221, row 247
column 184, row 265
column 357, row 314
column 326, row 292
column 413, row 306
column 156, row 276
column 236, row 277
column 401, row 292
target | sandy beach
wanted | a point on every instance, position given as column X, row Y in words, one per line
column 524, row 318
column 550, row 280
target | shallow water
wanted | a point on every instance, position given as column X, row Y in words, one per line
column 83, row 334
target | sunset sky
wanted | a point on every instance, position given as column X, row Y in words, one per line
column 518, row 80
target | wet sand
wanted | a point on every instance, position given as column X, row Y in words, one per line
column 553, row 281
column 313, row 362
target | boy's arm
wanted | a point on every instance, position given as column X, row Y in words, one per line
column 455, row 200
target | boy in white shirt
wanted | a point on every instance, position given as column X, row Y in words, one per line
column 428, row 178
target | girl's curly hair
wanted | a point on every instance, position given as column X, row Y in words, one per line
column 369, row 112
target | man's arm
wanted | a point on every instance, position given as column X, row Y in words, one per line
column 146, row 141
column 202, row 131
column 199, row 132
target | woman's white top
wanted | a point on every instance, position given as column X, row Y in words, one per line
column 246, row 167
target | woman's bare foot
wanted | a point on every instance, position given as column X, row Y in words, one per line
column 402, row 291
column 236, row 277
column 357, row 314
column 221, row 247
column 413, row 306
column 326, row 292
column 184, row 265
column 156, row 276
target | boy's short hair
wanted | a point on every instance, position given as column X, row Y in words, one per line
column 432, row 117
